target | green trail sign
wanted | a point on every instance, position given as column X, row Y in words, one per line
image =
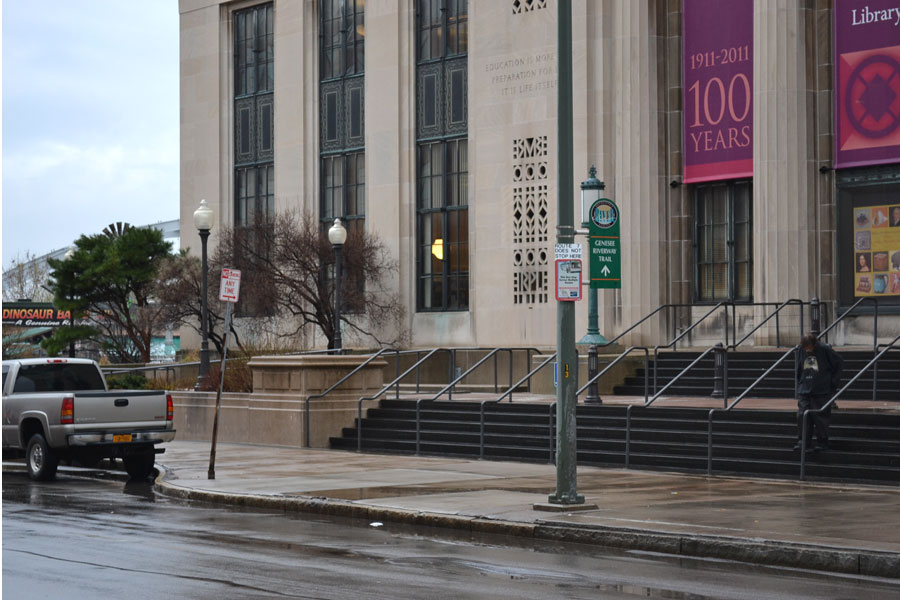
column 604, row 256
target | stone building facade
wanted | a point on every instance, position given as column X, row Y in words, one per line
column 433, row 123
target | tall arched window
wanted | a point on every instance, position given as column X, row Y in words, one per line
column 342, row 30
column 442, row 165
column 254, row 115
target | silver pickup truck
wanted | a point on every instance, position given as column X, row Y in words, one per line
column 60, row 408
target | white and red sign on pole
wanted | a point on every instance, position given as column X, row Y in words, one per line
column 230, row 285
column 568, row 272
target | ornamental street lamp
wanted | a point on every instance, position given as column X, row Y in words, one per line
column 591, row 190
column 203, row 221
column 337, row 235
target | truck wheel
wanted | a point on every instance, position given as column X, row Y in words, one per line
column 41, row 459
column 140, row 464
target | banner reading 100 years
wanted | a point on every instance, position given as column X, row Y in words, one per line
column 717, row 90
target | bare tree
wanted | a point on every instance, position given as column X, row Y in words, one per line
column 178, row 290
column 26, row 279
column 287, row 268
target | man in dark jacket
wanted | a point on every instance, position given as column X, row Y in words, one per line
column 818, row 375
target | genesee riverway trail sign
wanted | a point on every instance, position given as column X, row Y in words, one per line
column 604, row 257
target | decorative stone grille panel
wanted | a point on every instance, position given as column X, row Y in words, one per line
column 532, row 147
column 524, row 6
column 531, row 227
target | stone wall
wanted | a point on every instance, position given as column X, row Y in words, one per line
column 275, row 413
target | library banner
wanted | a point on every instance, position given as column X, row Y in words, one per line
column 867, row 82
column 717, row 89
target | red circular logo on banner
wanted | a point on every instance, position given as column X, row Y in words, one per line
column 871, row 96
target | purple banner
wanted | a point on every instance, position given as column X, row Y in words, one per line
column 867, row 82
column 717, row 89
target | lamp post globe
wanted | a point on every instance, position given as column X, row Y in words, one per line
column 591, row 189
column 337, row 235
column 203, row 217
column 203, row 221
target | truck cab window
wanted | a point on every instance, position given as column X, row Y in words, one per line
column 56, row 377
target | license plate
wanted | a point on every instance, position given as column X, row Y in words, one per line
column 125, row 437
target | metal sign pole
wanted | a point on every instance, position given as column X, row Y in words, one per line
column 211, row 474
column 566, row 477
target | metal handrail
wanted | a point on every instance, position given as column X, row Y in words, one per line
column 418, row 352
column 851, row 309
column 650, row 314
column 768, row 371
column 651, row 401
column 875, row 373
column 733, row 346
column 169, row 369
column 493, row 353
column 396, row 381
column 659, row 308
column 452, row 352
column 627, row 410
column 334, row 386
column 677, row 377
column 790, row 302
column 453, row 384
column 502, row 396
column 805, row 418
column 728, row 408
column 674, row 342
column 616, row 361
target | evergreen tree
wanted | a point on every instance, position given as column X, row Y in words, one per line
column 108, row 282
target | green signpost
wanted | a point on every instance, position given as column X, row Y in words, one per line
column 605, row 257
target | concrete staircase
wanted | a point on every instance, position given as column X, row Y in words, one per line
column 865, row 443
column 865, row 446
column 744, row 367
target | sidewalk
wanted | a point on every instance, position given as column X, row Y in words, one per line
column 834, row 527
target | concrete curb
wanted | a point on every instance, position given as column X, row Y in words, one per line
column 853, row 561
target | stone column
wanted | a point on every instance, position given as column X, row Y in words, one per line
column 784, row 185
column 637, row 181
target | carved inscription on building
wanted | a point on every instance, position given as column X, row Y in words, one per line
column 522, row 75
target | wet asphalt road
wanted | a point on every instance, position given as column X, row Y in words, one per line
column 83, row 538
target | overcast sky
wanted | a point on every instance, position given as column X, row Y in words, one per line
column 90, row 118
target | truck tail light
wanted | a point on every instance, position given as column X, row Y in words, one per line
column 170, row 408
column 67, row 412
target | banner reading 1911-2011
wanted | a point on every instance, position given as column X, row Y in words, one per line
column 867, row 82
column 717, row 89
